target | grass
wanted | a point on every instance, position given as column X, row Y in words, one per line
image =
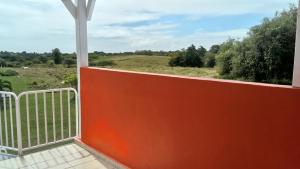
column 44, row 77
column 156, row 64
column 39, row 77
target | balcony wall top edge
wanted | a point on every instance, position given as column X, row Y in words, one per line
column 258, row 84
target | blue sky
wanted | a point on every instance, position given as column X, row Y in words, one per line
column 129, row 25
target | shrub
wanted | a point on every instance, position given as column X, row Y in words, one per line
column 51, row 63
column 9, row 72
column 5, row 85
column 177, row 60
column 57, row 56
column 34, row 83
column 210, row 60
column 103, row 63
column 28, row 63
column 191, row 57
column 71, row 79
column 2, row 63
column 68, row 62
column 225, row 63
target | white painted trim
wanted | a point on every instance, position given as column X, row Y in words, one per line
column 81, row 34
column 90, row 9
column 100, row 155
column 71, row 7
column 296, row 73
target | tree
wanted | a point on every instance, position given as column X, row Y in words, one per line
column 191, row 57
column 210, row 60
column 271, row 48
column 69, row 62
column 225, row 57
column 266, row 54
column 43, row 59
column 214, row 49
column 2, row 63
column 210, row 56
column 5, row 85
column 177, row 59
column 56, row 54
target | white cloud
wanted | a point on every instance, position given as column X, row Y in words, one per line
column 117, row 38
column 40, row 25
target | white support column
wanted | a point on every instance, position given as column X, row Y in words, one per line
column 81, row 13
column 296, row 76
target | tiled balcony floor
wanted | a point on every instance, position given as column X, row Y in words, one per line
column 69, row 156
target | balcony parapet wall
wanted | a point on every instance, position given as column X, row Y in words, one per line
column 150, row 121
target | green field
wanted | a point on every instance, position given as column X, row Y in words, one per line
column 39, row 77
column 44, row 77
column 157, row 64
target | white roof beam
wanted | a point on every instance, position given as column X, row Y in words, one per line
column 71, row 7
column 90, row 9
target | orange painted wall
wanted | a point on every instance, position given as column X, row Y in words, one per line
column 149, row 121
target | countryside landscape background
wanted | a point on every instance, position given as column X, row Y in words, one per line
column 265, row 55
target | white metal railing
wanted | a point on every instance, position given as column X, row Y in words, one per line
column 10, row 129
column 40, row 118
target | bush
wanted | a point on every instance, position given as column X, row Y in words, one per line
column 210, row 60
column 51, row 63
column 103, row 63
column 225, row 63
column 68, row 62
column 28, row 63
column 71, row 79
column 57, row 56
column 2, row 63
column 34, row 83
column 177, row 60
column 9, row 72
column 191, row 57
column 5, row 86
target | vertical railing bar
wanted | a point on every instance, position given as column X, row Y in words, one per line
column 77, row 115
column 61, row 115
column 37, row 119
column 45, row 114
column 18, row 125
column 69, row 113
column 1, row 136
column 11, row 123
column 28, row 121
column 5, row 120
column 53, row 115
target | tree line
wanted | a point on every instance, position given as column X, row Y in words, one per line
column 21, row 59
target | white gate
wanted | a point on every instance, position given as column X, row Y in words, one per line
column 34, row 119
column 10, row 129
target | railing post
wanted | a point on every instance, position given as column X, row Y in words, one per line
column 19, row 130
column 296, row 73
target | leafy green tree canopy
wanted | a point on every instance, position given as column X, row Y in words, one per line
column 57, row 56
